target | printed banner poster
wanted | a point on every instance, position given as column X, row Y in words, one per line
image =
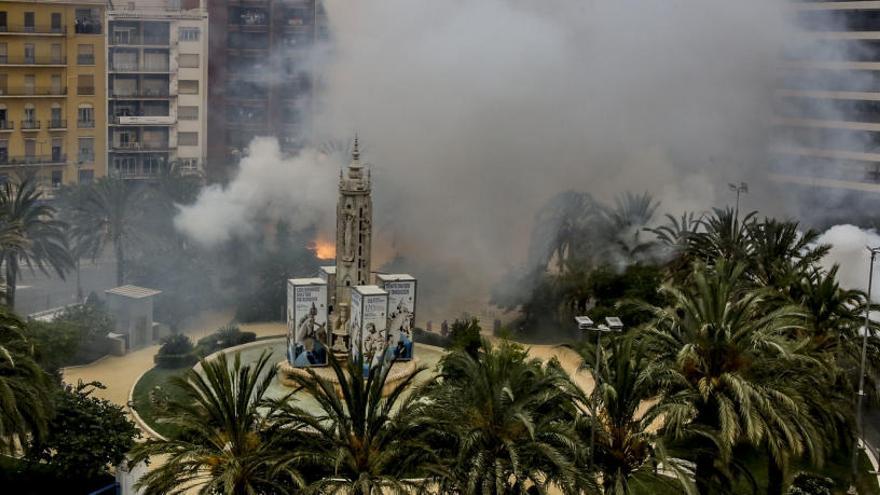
column 374, row 324
column 354, row 323
column 401, row 318
column 310, row 319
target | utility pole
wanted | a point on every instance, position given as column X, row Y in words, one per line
column 738, row 189
column 861, row 393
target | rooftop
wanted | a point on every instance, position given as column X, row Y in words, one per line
column 394, row 277
column 307, row 281
column 370, row 290
column 133, row 291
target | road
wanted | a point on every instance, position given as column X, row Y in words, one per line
column 37, row 291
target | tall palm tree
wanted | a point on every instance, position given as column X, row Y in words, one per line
column 40, row 241
column 224, row 444
column 628, row 450
column 25, row 396
column 106, row 215
column 623, row 233
column 507, row 423
column 366, row 434
column 722, row 236
column 781, row 253
column 727, row 368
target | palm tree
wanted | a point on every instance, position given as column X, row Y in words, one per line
column 39, row 240
column 25, row 396
column 624, row 225
column 506, row 422
column 564, row 229
column 105, row 215
column 723, row 236
column 224, row 443
column 365, row 440
column 728, row 369
column 628, row 450
column 781, row 253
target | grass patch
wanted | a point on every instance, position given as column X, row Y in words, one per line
column 156, row 377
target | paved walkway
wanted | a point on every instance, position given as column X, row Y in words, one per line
column 118, row 373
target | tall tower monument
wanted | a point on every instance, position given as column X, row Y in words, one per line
column 354, row 228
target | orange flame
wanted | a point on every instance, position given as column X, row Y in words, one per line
column 324, row 249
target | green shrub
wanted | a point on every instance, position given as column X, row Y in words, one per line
column 811, row 484
column 465, row 335
column 176, row 352
column 226, row 336
column 431, row 338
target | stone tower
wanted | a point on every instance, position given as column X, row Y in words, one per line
column 354, row 228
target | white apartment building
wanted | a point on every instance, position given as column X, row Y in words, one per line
column 157, row 74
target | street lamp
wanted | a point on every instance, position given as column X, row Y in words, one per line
column 585, row 324
column 742, row 187
column 861, row 392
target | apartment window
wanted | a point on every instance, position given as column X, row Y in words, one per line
column 86, row 150
column 188, row 34
column 85, row 55
column 3, row 53
column 30, row 84
column 30, row 113
column 30, row 148
column 4, row 151
column 29, row 24
column 56, row 84
column 187, row 138
column 85, row 84
column 57, row 150
column 56, row 22
column 3, row 26
column 29, row 53
column 188, row 87
column 85, row 116
column 57, row 177
column 190, row 60
column 88, row 21
column 4, row 80
column 86, row 176
column 56, row 117
column 56, row 54
column 188, row 113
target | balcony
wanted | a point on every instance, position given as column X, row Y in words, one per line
column 57, row 124
column 40, row 30
column 85, row 60
column 33, row 61
column 30, row 92
column 14, row 161
column 139, row 93
column 85, row 124
column 140, row 41
column 139, row 147
column 7, row 126
column 30, row 125
column 143, row 120
column 128, row 67
column 88, row 25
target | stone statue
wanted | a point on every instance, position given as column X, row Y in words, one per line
column 348, row 237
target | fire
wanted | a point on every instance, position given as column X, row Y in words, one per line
column 324, row 249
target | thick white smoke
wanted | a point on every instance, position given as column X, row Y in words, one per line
column 267, row 186
column 849, row 250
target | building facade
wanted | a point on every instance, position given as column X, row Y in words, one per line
column 828, row 101
column 157, row 74
column 52, row 99
column 260, row 80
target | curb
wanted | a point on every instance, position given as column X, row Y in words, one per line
column 137, row 417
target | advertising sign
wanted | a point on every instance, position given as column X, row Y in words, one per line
column 401, row 289
column 369, row 321
column 307, row 331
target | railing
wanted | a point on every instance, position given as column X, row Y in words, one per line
column 85, row 90
column 57, row 124
column 85, row 59
column 33, row 159
column 140, row 41
column 41, row 60
column 85, row 124
column 88, row 25
column 7, row 125
column 116, row 93
column 32, row 91
column 140, row 146
column 30, row 125
column 35, row 29
column 123, row 67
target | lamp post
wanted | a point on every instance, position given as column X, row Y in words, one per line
column 742, row 187
column 861, row 393
column 585, row 324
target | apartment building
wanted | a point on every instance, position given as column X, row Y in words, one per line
column 52, row 100
column 828, row 101
column 157, row 73
column 260, row 82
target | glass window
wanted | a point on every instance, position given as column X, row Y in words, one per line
column 57, row 177
column 188, row 34
column 188, row 60
column 86, row 150
column 86, row 176
column 3, row 26
column 188, row 113
column 29, row 24
column 56, row 22
column 4, row 151
column 187, row 138
column 56, row 54
column 29, row 53
column 85, row 116
column 85, row 84
column 30, row 147
column 85, row 55
column 3, row 53
column 188, row 87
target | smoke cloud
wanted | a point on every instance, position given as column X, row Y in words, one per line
column 849, row 250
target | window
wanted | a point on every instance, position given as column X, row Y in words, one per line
column 3, row 53
column 85, row 55
column 55, row 120
column 29, row 25
column 4, row 151
column 86, row 150
column 56, row 54
column 29, row 53
column 188, row 34
column 86, row 176
column 188, row 60
column 30, row 113
column 57, row 150
column 56, row 84
column 187, row 138
column 4, row 80
column 85, row 84
column 88, row 21
column 30, row 82
column 188, row 113
column 3, row 26
column 188, row 87
column 85, row 116
column 30, row 148
column 56, row 22
column 57, row 176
